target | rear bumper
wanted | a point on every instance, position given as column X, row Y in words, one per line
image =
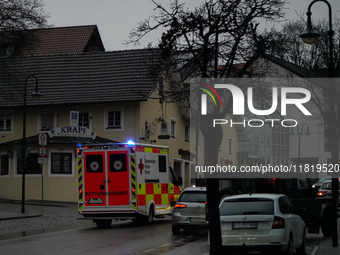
column 253, row 248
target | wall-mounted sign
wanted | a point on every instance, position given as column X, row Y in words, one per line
column 72, row 131
column 74, row 117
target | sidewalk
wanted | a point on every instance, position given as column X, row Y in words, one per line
column 325, row 246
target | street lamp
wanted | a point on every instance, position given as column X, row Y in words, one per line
column 300, row 132
column 35, row 96
column 310, row 36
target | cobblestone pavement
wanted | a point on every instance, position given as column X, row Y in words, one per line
column 37, row 216
column 19, row 225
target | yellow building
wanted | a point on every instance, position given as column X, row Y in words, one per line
column 85, row 98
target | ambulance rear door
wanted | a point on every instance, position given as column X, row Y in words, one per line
column 118, row 182
column 95, row 178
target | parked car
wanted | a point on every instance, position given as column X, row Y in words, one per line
column 189, row 210
column 261, row 222
column 318, row 184
column 326, row 190
column 298, row 190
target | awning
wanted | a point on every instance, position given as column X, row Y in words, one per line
column 33, row 140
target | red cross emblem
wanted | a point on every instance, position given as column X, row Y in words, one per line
column 94, row 166
column 141, row 166
column 118, row 165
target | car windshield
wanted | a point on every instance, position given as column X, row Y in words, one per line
column 247, row 206
column 193, row 196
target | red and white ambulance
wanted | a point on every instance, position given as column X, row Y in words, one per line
column 125, row 181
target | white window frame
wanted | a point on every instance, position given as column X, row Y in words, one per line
column 173, row 133
column 230, row 145
column 106, row 120
column 82, row 111
column 186, row 133
column 40, row 120
column 11, row 120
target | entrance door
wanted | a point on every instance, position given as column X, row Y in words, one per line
column 118, row 178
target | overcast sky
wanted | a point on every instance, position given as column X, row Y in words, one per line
column 116, row 18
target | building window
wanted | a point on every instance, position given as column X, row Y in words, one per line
column 46, row 121
column 4, row 166
column 5, row 122
column 114, row 119
column 84, row 119
column 186, row 133
column 61, row 163
column 230, row 146
column 32, row 166
column 173, row 128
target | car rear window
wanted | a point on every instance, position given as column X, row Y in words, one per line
column 327, row 186
column 247, row 206
column 193, row 196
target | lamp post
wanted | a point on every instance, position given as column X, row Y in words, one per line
column 309, row 36
column 35, row 96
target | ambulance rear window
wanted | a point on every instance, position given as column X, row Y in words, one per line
column 162, row 163
column 117, row 162
column 94, row 163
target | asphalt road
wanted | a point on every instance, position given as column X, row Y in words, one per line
column 58, row 231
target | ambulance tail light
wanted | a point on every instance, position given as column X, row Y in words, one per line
column 180, row 205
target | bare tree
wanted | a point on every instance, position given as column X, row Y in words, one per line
column 314, row 57
column 216, row 32
column 16, row 17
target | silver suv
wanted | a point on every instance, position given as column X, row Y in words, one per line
column 189, row 210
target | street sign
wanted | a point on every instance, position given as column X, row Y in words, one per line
column 42, row 161
column 42, row 139
column 42, row 152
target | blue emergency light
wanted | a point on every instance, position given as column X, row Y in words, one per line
column 130, row 143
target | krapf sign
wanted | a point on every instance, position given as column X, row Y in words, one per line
column 72, row 131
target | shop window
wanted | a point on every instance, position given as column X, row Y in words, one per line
column 61, row 163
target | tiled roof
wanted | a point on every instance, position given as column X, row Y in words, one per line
column 63, row 40
column 128, row 75
column 291, row 67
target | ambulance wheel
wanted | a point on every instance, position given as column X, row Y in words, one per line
column 103, row 223
column 149, row 218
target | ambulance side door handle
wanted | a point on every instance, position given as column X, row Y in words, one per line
column 106, row 181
